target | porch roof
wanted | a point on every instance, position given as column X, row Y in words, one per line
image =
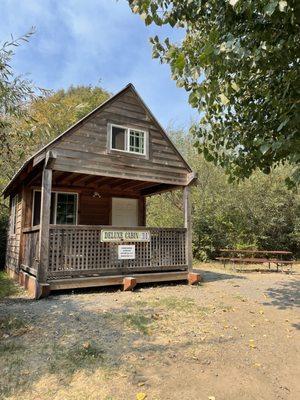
column 102, row 184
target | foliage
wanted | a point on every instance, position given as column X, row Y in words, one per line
column 15, row 90
column 239, row 61
column 258, row 213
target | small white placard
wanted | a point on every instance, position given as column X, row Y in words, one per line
column 126, row 252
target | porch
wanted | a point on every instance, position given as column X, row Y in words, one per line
column 77, row 251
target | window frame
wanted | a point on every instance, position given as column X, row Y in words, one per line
column 127, row 129
column 56, row 192
column 13, row 215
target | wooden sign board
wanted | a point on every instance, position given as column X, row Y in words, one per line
column 126, row 252
column 114, row 235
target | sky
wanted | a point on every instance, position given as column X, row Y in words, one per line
column 94, row 42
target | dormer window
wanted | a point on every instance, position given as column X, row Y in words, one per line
column 129, row 140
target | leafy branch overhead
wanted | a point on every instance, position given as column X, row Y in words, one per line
column 15, row 90
column 239, row 62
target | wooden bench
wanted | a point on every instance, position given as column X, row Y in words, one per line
column 236, row 256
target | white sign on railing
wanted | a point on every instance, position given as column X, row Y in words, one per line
column 111, row 235
column 126, row 252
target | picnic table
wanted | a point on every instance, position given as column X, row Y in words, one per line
column 252, row 256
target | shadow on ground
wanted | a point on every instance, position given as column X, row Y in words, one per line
column 212, row 276
column 285, row 296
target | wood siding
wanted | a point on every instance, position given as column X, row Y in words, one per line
column 13, row 240
column 86, row 150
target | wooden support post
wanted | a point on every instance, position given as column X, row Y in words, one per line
column 43, row 252
column 188, row 225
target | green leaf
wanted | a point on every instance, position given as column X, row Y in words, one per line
column 180, row 62
column 224, row 99
column 235, row 86
column 270, row 7
column 264, row 148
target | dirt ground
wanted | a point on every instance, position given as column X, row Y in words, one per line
column 233, row 337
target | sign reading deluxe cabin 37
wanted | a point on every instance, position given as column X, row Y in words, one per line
column 112, row 235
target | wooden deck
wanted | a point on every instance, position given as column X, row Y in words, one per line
column 76, row 283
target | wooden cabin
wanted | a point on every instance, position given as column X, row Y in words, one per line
column 78, row 206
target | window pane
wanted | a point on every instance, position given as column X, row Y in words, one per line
column 66, row 209
column 13, row 215
column 118, row 138
column 52, row 209
column 37, row 208
column 136, row 141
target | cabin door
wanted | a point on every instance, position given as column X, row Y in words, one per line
column 124, row 212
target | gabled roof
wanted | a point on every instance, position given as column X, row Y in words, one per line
column 131, row 87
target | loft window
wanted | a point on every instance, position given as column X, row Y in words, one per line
column 118, row 136
column 63, row 208
column 13, row 215
column 128, row 140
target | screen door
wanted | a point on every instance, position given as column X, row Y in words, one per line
column 124, row 212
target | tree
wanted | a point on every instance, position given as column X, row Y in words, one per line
column 240, row 63
column 257, row 213
column 15, row 90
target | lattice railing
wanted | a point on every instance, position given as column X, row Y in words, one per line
column 78, row 251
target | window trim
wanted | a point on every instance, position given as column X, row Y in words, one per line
column 127, row 129
column 13, row 215
column 55, row 207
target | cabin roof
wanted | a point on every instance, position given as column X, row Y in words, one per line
column 129, row 86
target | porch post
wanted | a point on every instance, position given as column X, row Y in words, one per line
column 188, row 225
column 43, row 250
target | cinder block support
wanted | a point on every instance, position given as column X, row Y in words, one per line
column 129, row 283
column 194, row 278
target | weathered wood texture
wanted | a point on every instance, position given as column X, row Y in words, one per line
column 85, row 149
column 13, row 239
column 77, row 251
column 43, row 243
column 29, row 257
column 73, row 283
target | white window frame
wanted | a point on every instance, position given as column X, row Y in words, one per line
column 13, row 215
column 127, row 139
column 56, row 192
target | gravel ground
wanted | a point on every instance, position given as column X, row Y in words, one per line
column 235, row 336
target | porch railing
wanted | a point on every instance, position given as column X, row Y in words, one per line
column 78, row 251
